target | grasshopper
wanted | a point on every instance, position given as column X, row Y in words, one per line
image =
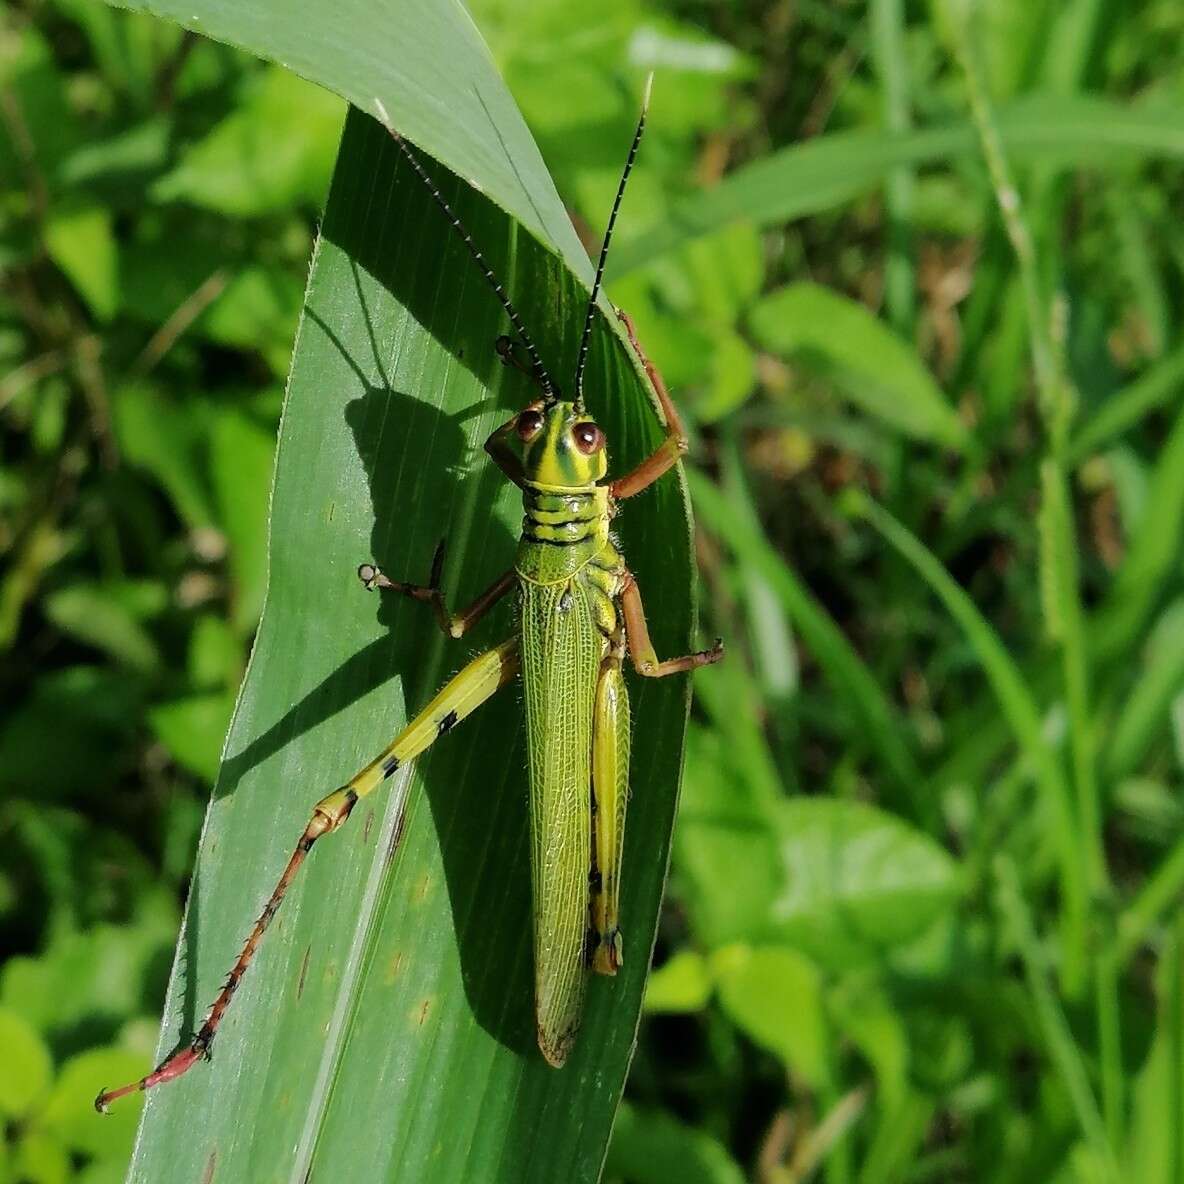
column 579, row 614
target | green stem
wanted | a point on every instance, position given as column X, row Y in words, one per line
column 1057, row 1036
column 1106, row 976
column 1156, row 896
column 1023, row 716
column 890, row 57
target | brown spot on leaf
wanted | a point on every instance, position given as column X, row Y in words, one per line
column 425, row 1007
column 208, row 1175
column 396, row 837
column 366, row 828
column 394, row 967
column 303, row 972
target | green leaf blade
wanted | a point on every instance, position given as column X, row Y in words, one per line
column 877, row 370
column 1063, row 131
column 425, row 64
column 386, row 1029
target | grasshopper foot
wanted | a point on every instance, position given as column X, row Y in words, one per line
column 371, row 576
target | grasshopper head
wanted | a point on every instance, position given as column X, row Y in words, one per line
column 558, row 445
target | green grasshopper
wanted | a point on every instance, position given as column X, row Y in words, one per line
column 579, row 613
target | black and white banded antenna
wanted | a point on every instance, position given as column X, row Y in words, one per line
column 536, row 362
column 586, row 339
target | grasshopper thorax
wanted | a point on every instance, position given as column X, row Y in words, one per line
column 559, row 445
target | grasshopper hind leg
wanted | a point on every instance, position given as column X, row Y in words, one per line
column 459, row 697
column 610, row 794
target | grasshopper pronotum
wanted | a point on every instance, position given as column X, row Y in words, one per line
column 579, row 614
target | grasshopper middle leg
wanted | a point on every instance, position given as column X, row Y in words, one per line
column 641, row 649
column 459, row 697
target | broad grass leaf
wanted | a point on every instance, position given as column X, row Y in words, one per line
column 651, row 1147
column 385, row 1031
column 26, row 1068
column 775, row 996
column 856, row 882
column 273, row 151
column 241, row 459
column 1145, row 710
column 1055, row 130
column 682, row 984
column 94, row 614
column 82, row 243
column 875, row 369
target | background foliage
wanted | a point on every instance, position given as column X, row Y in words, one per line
column 921, row 923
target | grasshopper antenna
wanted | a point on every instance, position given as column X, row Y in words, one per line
column 586, row 339
column 536, row 362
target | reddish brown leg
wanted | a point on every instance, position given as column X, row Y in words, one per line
column 675, row 445
column 327, row 815
column 453, row 624
column 641, row 649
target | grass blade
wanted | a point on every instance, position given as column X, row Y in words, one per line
column 885, row 731
column 807, row 178
column 385, row 1031
column 1128, row 406
column 1057, row 1035
column 876, row 369
column 1151, row 555
column 426, row 63
column 1022, row 715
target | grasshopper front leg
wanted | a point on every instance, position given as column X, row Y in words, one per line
column 667, row 454
column 451, row 624
column 459, row 697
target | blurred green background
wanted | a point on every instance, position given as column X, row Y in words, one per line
column 921, row 923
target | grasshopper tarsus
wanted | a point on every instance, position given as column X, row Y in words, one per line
column 504, row 347
column 508, row 349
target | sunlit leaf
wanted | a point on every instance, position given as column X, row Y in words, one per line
column 386, row 1029
column 876, row 370
column 25, row 1069
column 82, row 243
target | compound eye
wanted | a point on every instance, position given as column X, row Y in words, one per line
column 529, row 424
column 588, row 437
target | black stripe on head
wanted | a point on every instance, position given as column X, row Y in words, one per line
column 447, row 723
column 389, row 765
